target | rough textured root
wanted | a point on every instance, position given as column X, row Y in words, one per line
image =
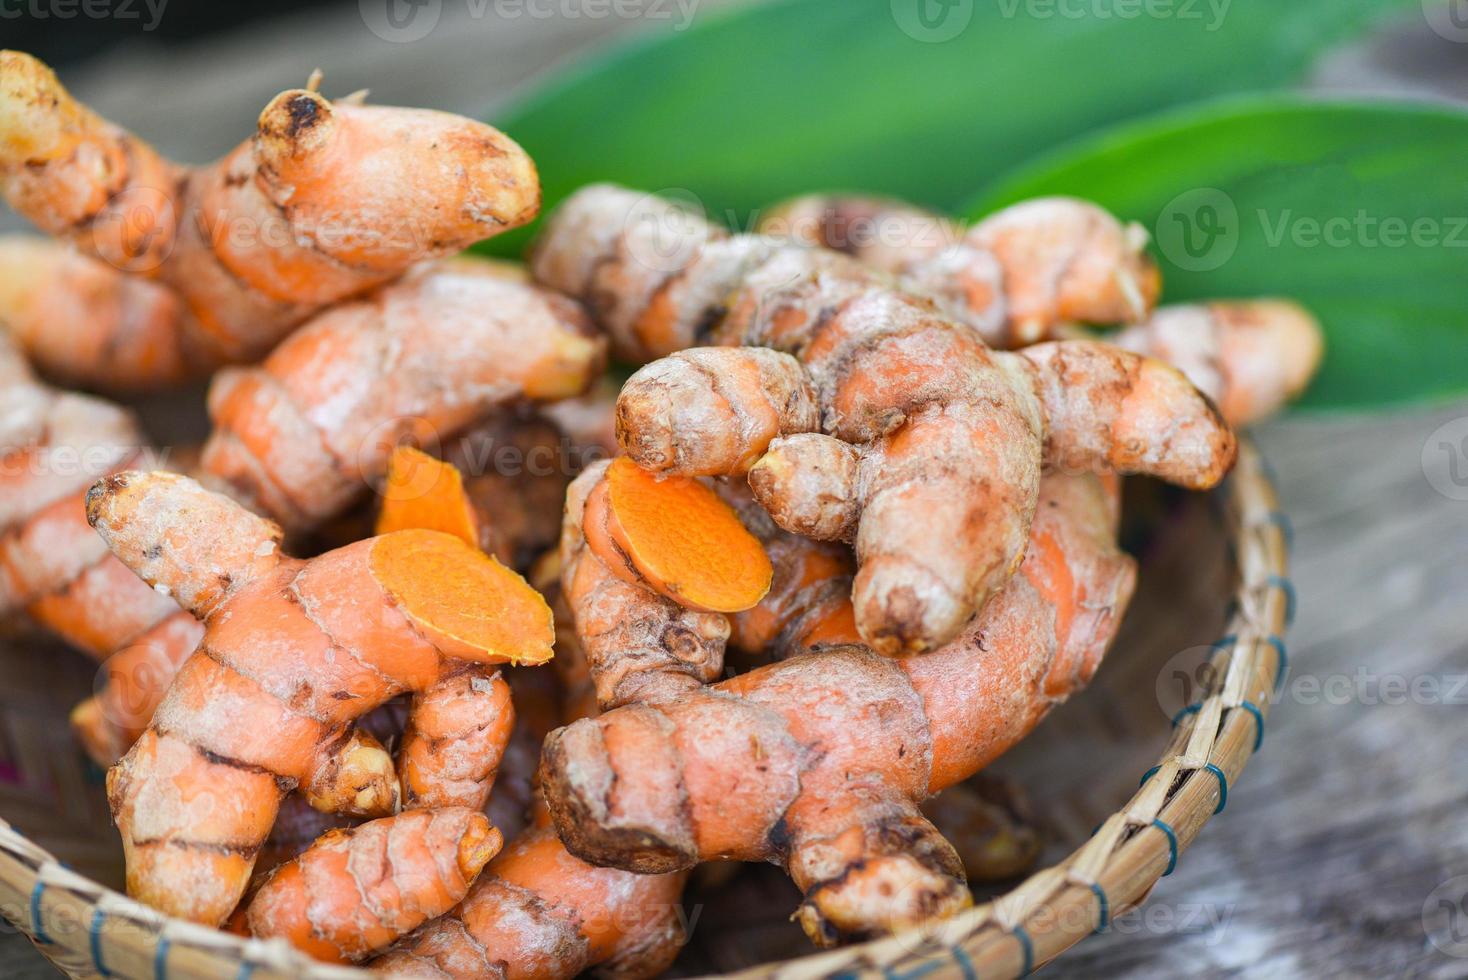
column 136, row 678
column 1067, row 261
column 354, row 892
column 617, row 250
column 85, row 323
column 948, row 436
column 638, row 644
column 1016, row 277
column 1250, row 357
column 676, row 536
column 991, row 825
column 808, row 607
column 77, row 176
column 300, row 436
column 808, row 484
column 538, row 913
column 840, row 745
column 457, row 733
column 196, row 546
column 55, row 566
column 293, row 653
column 576, row 695
column 712, row 411
column 297, row 827
column 355, row 778
column 876, row 231
column 310, row 183
column 1111, row 411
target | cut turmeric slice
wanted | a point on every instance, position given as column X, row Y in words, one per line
column 469, row 605
column 423, row 492
column 686, row 542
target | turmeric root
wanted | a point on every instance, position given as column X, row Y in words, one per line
column 299, row 436
column 1015, row 277
column 934, row 443
column 1249, row 357
column 54, row 446
column 293, row 652
column 327, row 200
column 639, row 645
column 818, row 762
column 538, row 913
column 85, row 323
column 356, row 891
column 457, row 733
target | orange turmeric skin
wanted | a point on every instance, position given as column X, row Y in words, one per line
column 1016, row 277
column 303, row 215
column 1250, row 357
column 947, row 437
column 54, row 566
column 780, row 764
column 293, row 652
column 416, row 361
column 538, row 913
column 354, row 892
column 85, row 323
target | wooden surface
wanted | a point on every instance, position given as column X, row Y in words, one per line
column 1353, row 820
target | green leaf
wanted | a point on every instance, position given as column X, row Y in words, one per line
column 1359, row 211
column 756, row 102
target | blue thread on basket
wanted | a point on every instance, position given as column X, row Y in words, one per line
column 1028, row 965
column 1148, row 775
column 160, row 958
column 247, row 970
column 1104, row 918
column 1171, row 844
column 965, row 964
column 1253, row 709
column 36, row 925
column 1191, row 709
column 1288, row 588
column 1283, row 670
column 94, row 932
column 1222, row 786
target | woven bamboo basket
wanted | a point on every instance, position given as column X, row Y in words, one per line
column 1210, row 567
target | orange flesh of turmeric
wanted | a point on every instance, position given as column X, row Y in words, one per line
column 686, row 542
column 428, row 494
column 467, row 603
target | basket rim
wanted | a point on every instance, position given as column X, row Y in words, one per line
column 100, row 931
